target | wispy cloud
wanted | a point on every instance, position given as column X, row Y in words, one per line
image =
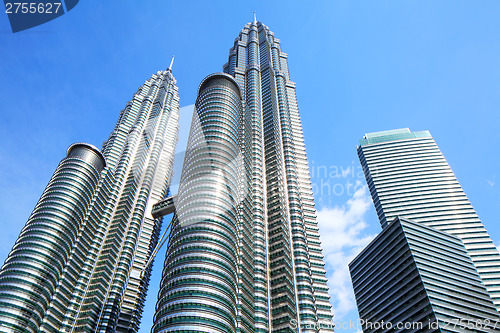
column 343, row 236
column 491, row 182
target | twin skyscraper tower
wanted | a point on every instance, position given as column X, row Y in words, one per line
column 243, row 252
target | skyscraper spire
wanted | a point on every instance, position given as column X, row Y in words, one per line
column 254, row 17
column 171, row 63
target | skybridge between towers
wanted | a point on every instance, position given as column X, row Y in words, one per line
column 160, row 209
column 164, row 207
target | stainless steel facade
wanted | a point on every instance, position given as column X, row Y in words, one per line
column 408, row 176
column 77, row 264
column 201, row 280
column 414, row 278
column 43, row 267
column 245, row 255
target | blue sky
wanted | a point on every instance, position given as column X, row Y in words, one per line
column 360, row 66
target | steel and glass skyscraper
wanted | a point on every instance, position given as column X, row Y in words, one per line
column 79, row 263
column 415, row 278
column 244, row 253
column 408, row 176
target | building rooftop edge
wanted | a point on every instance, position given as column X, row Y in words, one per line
column 402, row 221
column 224, row 75
column 392, row 135
column 388, row 132
column 90, row 147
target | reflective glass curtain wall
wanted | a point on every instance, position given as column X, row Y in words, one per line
column 408, row 176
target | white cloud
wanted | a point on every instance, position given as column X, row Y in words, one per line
column 491, row 182
column 343, row 236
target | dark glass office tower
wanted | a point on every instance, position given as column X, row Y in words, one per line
column 414, row 278
column 79, row 263
column 409, row 177
column 244, row 253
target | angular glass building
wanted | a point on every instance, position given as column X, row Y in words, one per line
column 414, row 278
column 244, row 253
column 408, row 176
column 79, row 263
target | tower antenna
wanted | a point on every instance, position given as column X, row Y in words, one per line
column 254, row 17
column 171, row 63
